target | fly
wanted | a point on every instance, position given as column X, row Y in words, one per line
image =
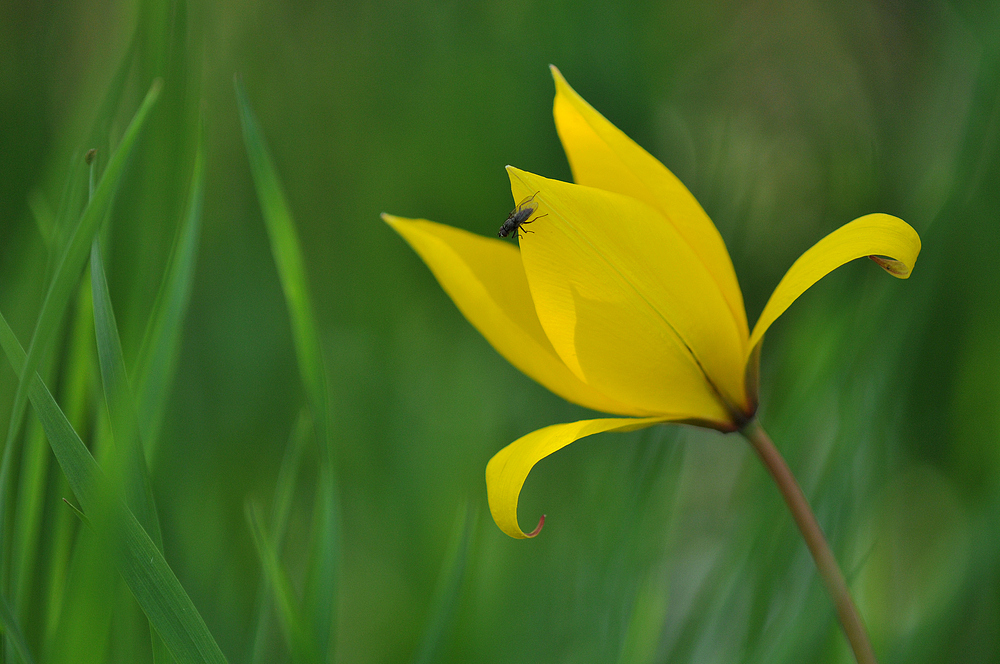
column 518, row 218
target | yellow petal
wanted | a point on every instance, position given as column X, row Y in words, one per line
column 626, row 304
column 507, row 470
column 879, row 236
column 602, row 156
column 485, row 279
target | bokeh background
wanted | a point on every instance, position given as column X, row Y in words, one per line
column 785, row 119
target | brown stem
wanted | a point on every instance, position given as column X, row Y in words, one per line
column 850, row 619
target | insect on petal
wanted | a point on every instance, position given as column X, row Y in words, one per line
column 627, row 305
column 485, row 279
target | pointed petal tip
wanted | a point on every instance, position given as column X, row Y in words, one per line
column 514, row 171
column 898, row 269
column 402, row 225
column 516, row 174
column 559, row 79
column 538, row 528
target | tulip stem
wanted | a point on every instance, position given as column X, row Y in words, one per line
column 850, row 619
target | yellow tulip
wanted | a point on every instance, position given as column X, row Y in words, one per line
column 622, row 297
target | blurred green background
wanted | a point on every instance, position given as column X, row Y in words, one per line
column 785, row 119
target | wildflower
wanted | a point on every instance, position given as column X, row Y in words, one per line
column 623, row 298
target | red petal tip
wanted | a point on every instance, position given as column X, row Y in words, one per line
column 538, row 529
column 893, row 267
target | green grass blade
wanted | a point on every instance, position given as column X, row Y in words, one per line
column 284, row 491
column 64, row 281
column 449, row 586
column 646, row 622
column 79, row 369
column 284, row 488
column 287, row 254
column 33, row 481
column 90, row 593
column 131, row 460
column 297, row 635
column 158, row 353
column 324, row 560
column 159, row 184
column 285, row 247
column 162, row 597
column 13, row 632
column 28, row 514
column 140, row 562
column 78, row 464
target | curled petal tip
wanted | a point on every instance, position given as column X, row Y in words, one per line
column 893, row 267
column 538, row 528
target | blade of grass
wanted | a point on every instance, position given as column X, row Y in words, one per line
column 66, row 276
column 324, row 560
column 449, row 585
column 324, row 557
column 32, row 483
column 19, row 567
column 13, row 632
column 77, row 512
column 131, row 461
column 81, row 633
column 28, row 511
column 158, row 182
column 298, row 636
column 645, row 624
column 158, row 354
column 140, row 562
column 284, row 491
column 81, row 367
column 287, row 253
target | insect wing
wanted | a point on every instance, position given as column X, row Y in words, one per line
column 525, row 208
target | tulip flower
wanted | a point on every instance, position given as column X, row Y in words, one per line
column 622, row 297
